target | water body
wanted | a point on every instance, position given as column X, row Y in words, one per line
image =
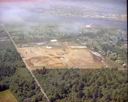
column 81, row 21
column 39, row 12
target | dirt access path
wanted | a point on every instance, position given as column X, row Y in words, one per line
column 29, row 69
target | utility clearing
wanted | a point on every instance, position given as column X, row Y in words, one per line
column 61, row 57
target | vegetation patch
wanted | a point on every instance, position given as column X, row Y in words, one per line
column 7, row 96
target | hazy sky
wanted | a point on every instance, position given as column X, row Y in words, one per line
column 115, row 1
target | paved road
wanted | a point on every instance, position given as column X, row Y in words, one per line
column 41, row 89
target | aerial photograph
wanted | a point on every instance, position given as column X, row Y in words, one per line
column 63, row 51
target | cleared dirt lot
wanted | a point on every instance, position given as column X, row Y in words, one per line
column 65, row 57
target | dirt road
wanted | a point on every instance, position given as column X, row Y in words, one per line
column 41, row 89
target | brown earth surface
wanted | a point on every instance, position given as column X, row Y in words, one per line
column 37, row 57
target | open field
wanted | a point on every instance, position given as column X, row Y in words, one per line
column 7, row 96
column 64, row 57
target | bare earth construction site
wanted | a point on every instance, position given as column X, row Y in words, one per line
column 64, row 57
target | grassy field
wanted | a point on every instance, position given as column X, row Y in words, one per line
column 7, row 96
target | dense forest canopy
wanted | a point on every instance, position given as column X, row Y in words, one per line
column 79, row 85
